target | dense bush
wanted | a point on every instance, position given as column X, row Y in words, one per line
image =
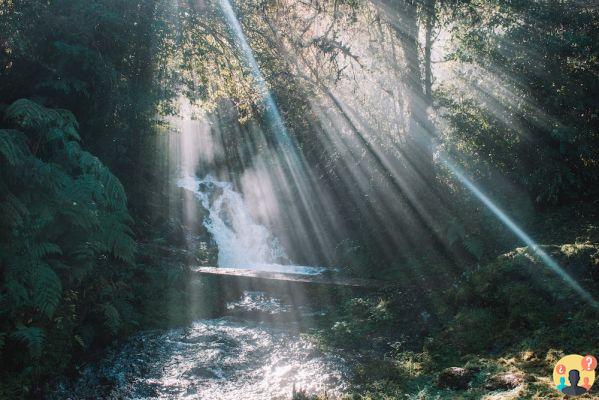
column 517, row 298
column 526, row 129
column 67, row 252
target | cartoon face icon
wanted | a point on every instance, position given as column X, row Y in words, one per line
column 574, row 374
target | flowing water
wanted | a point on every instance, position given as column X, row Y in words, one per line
column 242, row 242
column 254, row 351
column 223, row 358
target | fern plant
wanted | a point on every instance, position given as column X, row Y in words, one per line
column 32, row 336
column 65, row 241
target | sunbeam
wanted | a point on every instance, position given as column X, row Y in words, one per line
column 534, row 247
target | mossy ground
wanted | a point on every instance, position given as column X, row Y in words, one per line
column 510, row 314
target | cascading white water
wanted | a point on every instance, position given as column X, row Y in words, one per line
column 242, row 242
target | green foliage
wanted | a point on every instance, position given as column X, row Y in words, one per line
column 112, row 319
column 455, row 234
column 518, row 293
column 68, row 256
column 46, row 290
column 525, row 130
column 531, row 113
column 8, row 148
column 64, row 232
column 33, row 337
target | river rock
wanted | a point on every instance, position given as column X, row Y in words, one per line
column 201, row 372
column 456, row 378
column 504, row 381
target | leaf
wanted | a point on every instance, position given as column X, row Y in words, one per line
column 32, row 336
column 54, row 134
column 112, row 319
column 17, row 293
column 27, row 114
column 40, row 250
column 115, row 193
column 70, row 124
column 12, row 211
column 47, row 290
column 79, row 340
column 116, row 237
column 8, row 148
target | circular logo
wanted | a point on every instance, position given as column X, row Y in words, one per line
column 574, row 375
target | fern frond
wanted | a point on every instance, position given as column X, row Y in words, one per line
column 79, row 215
column 10, row 147
column 70, row 124
column 30, row 115
column 51, row 176
column 115, row 193
column 115, row 236
column 82, row 192
column 40, row 250
column 90, row 163
column 73, row 151
column 47, row 290
column 50, row 124
column 124, row 248
column 17, row 293
column 54, row 134
column 83, row 251
column 12, row 211
column 112, row 318
column 32, row 336
column 79, row 340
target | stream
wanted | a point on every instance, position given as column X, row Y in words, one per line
column 233, row 357
column 253, row 351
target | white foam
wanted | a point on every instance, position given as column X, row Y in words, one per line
column 242, row 242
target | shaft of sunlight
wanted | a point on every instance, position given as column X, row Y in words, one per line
column 295, row 175
column 507, row 221
column 262, row 87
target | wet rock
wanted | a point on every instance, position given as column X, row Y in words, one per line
column 505, row 381
column 202, row 372
column 198, row 339
column 457, row 378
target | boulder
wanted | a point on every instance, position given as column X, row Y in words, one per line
column 457, row 378
column 505, row 381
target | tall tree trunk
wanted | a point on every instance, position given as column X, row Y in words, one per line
column 402, row 15
column 429, row 10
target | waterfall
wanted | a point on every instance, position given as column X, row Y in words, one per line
column 242, row 242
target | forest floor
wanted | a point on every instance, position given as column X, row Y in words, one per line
column 496, row 333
